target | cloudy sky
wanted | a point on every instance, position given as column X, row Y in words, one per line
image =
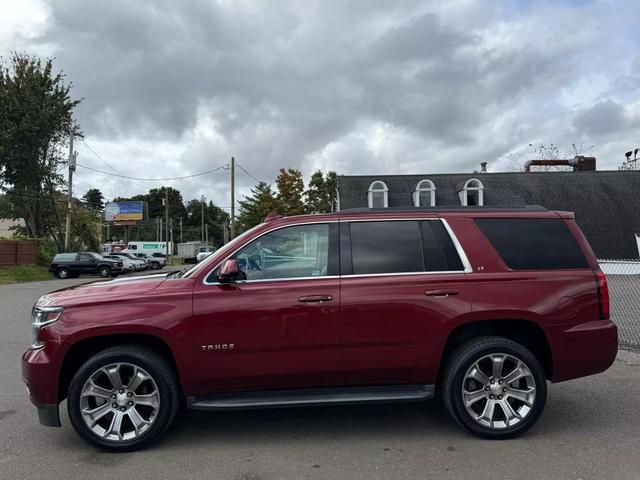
column 361, row 87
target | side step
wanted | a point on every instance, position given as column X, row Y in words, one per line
column 311, row 397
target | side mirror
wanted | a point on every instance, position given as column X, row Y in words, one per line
column 229, row 272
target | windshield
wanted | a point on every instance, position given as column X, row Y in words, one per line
column 220, row 253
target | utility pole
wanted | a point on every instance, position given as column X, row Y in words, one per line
column 160, row 227
column 206, row 235
column 202, row 219
column 225, row 232
column 233, row 198
column 166, row 211
column 72, row 168
column 181, row 241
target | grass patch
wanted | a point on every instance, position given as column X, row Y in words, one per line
column 23, row 273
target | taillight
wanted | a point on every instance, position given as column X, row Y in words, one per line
column 603, row 295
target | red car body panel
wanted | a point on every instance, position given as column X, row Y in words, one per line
column 374, row 329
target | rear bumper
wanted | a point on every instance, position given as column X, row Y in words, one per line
column 583, row 349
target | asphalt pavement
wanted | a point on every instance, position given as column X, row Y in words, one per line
column 590, row 430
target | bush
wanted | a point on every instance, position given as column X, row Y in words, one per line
column 46, row 250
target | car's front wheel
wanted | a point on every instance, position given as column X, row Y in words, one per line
column 123, row 398
column 63, row 273
column 104, row 272
column 494, row 387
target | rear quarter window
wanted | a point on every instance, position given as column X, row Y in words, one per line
column 533, row 243
column 64, row 257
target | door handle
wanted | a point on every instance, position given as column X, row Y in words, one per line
column 315, row 298
column 440, row 293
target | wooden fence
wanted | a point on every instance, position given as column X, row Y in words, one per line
column 18, row 252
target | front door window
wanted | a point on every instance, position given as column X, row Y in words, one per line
column 292, row 252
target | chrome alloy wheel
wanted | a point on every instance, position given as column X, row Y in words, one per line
column 498, row 391
column 119, row 402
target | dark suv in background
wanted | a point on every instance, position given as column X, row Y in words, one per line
column 483, row 306
column 67, row 265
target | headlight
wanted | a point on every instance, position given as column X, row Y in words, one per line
column 41, row 317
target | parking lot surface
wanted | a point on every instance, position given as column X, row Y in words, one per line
column 590, row 430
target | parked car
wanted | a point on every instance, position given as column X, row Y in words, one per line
column 65, row 265
column 127, row 265
column 204, row 252
column 481, row 305
column 153, row 262
column 138, row 264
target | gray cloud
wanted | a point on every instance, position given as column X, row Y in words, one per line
column 603, row 118
column 362, row 87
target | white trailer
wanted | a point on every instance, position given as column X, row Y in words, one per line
column 188, row 251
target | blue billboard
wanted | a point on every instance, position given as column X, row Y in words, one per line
column 115, row 211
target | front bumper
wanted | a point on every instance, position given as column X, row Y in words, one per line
column 40, row 376
column 583, row 349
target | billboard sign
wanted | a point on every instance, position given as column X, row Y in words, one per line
column 116, row 211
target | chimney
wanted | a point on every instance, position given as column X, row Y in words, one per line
column 483, row 167
column 579, row 163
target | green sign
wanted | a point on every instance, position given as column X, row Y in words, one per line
column 150, row 245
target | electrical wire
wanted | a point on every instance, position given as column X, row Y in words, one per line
column 152, row 179
column 99, row 157
column 248, row 173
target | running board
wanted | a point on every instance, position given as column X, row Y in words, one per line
column 311, row 397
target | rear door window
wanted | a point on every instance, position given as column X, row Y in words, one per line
column 440, row 253
column 533, row 243
column 386, row 247
column 402, row 246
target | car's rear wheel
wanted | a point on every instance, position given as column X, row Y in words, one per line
column 104, row 272
column 494, row 387
column 63, row 273
column 123, row 398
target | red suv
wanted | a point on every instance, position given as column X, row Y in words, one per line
column 482, row 306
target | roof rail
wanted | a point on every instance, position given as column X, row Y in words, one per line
column 272, row 216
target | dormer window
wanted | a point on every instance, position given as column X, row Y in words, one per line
column 378, row 196
column 425, row 194
column 472, row 193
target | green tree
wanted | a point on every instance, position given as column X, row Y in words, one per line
column 255, row 208
column 85, row 228
column 290, row 191
column 6, row 209
column 321, row 194
column 94, row 200
column 36, row 118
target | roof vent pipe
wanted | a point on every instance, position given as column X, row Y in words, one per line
column 483, row 167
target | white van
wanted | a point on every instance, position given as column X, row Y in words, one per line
column 149, row 247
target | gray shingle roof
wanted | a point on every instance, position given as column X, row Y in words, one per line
column 606, row 203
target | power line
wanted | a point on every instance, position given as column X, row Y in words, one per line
column 153, row 179
column 99, row 157
column 248, row 173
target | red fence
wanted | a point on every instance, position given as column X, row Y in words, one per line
column 18, row 252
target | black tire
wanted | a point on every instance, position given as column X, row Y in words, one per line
column 459, row 363
column 63, row 273
column 156, row 366
column 104, row 272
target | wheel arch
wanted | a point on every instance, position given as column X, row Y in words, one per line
column 525, row 332
column 83, row 349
